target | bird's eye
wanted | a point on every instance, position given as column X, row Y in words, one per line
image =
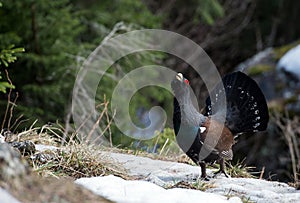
column 187, row 82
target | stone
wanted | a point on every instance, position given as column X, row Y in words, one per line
column 11, row 165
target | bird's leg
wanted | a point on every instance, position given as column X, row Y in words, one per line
column 222, row 168
column 203, row 171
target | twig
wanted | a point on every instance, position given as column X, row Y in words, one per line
column 262, row 172
column 11, row 110
column 15, row 125
column 288, row 128
column 108, row 125
column 8, row 101
column 96, row 124
column 19, row 123
column 67, row 127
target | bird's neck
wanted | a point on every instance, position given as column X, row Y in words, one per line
column 189, row 116
column 186, row 120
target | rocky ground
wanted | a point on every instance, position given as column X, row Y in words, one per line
column 156, row 176
column 147, row 180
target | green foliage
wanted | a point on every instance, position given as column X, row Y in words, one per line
column 7, row 55
column 5, row 85
column 209, row 10
column 191, row 12
column 99, row 17
column 49, row 32
column 58, row 36
column 129, row 11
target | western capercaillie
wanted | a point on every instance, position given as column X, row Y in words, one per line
column 246, row 112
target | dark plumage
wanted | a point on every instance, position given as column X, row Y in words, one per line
column 247, row 112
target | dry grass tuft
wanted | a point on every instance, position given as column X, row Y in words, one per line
column 75, row 158
column 197, row 185
column 76, row 161
column 46, row 135
column 244, row 198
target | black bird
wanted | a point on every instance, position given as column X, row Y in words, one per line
column 246, row 112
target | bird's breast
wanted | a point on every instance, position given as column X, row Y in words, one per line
column 217, row 135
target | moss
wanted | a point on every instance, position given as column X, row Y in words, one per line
column 259, row 69
column 291, row 100
column 280, row 51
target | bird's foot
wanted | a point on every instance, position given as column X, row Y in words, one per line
column 221, row 171
column 202, row 178
column 205, row 177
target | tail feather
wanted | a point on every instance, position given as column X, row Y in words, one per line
column 247, row 110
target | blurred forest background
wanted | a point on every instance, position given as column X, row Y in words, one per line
column 51, row 40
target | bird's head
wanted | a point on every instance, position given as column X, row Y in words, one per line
column 180, row 85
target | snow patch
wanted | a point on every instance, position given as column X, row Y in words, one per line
column 131, row 191
column 290, row 62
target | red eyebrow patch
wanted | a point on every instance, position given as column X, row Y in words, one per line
column 187, row 82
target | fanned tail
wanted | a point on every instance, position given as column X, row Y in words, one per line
column 247, row 110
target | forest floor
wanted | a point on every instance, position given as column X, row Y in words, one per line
column 131, row 178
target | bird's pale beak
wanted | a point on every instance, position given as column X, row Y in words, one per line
column 179, row 77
